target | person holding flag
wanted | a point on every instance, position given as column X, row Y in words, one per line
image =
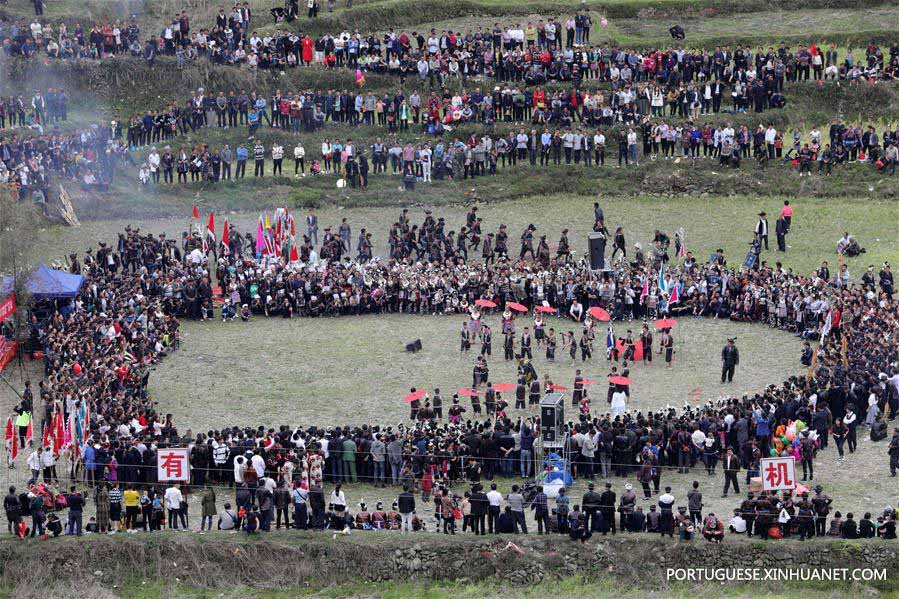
column 666, row 345
column 674, row 296
column 12, row 443
column 611, row 350
column 209, row 236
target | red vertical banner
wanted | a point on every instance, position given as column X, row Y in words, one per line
column 7, row 307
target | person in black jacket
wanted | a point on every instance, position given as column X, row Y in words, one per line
column 406, row 507
column 13, row 510
column 75, row 502
column 479, row 504
column 591, row 503
column 607, row 506
column 317, row 505
column 730, row 357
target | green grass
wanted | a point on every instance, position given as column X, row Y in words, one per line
column 710, row 222
column 298, row 371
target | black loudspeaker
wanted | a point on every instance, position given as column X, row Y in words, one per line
column 597, row 251
column 414, row 346
column 552, row 419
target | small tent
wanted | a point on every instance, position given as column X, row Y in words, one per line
column 44, row 283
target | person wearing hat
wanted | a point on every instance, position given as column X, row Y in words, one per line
column 607, row 506
column 626, row 506
column 730, row 357
column 666, row 507
column 761, row 230
column 591, row 503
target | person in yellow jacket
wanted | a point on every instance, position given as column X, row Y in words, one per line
column 22, row 421
column 131, row 500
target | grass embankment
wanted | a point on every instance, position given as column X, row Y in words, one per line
column 388, row 564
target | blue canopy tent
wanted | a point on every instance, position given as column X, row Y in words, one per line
column 44, row 283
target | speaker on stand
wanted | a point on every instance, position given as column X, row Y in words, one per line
column 597, row 243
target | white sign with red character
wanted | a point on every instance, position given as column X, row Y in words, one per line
column 778, row 474
column 173, row 465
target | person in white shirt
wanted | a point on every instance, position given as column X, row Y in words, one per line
column 494, row 505
column 258, row 464
column 153, row 162
column 737, row 524
column 599, row 148
column 173, row 499
column 770, row 139
column 34, row 463
column 48, row 463
column 277, row 158
column 425, row 156
column 299, row 160
column 338, row 501
column 632, row 146
column 240, row 465
column 619, row 403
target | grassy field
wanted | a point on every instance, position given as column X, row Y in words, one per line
column 709, row 222
column 331, row 372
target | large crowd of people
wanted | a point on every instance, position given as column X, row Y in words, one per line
column 97, row 351
column 32, row 156
column 533, row 52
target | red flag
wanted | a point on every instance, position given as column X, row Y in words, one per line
column 226, row 238
column 293, row 227
column 294, row 256
column 645, row 291
column 30, row 434
column 10, row 431
column 674, row 297
column 48, row 432
column 196, row 212
column 210, row 227
column 58, row 433
column 15, row 447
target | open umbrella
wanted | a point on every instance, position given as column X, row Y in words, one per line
column 484, row 303
column 544, row 309
column 599, row 314
column 619, row 380
column 516, row 306
column 588, row 382
column 415, row 395
column 559, row 388
column 665, row 323
column 505, row 386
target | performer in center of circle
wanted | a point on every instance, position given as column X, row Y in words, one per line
column 730, row 357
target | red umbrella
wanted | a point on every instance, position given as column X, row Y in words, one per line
column 665, row 323
column 505, row 386
column 545, row 309
column 485, row 303
column 559, row 388
column 516, row 306
column 588, row 382
column 599, row 314
column 415, row 395
column 619, row 380
column 467, row 392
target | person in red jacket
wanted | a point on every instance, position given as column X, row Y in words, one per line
column 307, row 46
